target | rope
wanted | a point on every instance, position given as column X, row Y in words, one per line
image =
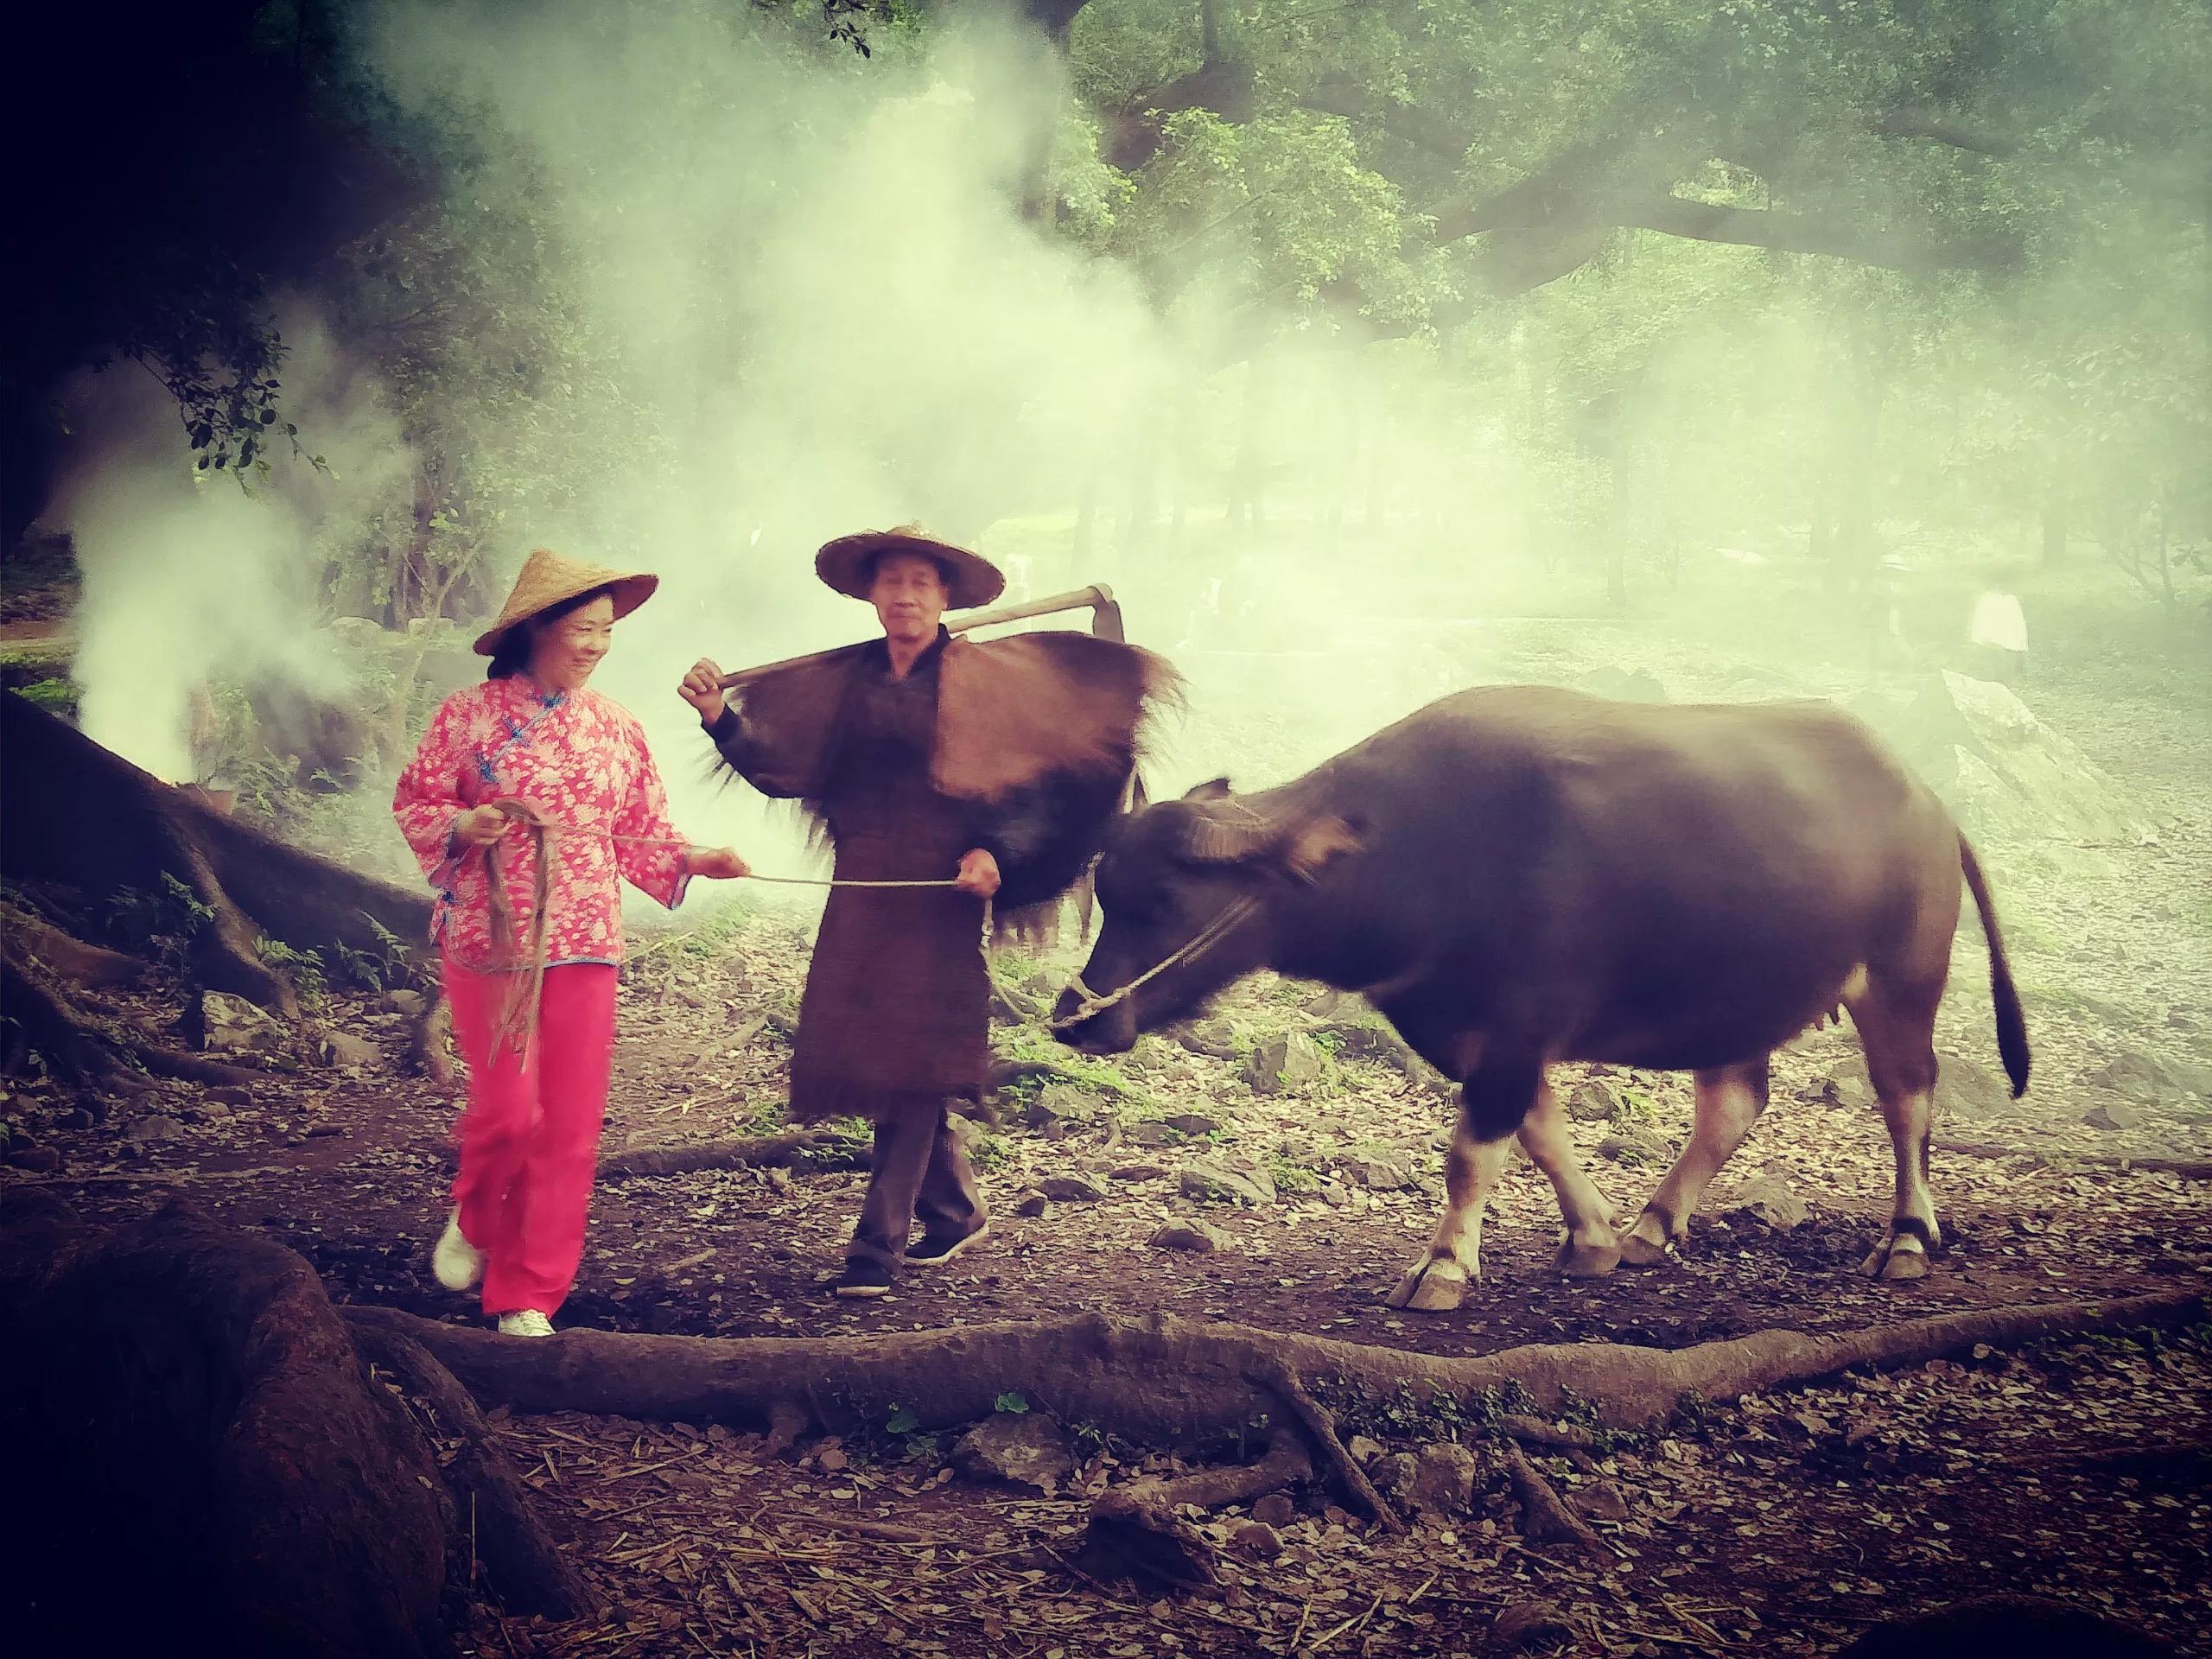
column 517, row 1025
column 1092, row 1004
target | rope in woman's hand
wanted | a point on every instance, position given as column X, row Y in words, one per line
column 518, row 1021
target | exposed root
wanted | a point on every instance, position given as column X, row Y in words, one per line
column 1321, row 1429
column 815, row 1148
column 525, row 1567
column 1545, row 1517
column 2190, row 1169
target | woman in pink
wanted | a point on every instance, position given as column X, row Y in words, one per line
column 532, row 735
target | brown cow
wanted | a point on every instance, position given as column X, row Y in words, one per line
column 1518, row 875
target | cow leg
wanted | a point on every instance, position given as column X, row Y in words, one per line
column 1729, row 1102
column 1592, row 1248
column 1897, row 1029
column 1494, row 1099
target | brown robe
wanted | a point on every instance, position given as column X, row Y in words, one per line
column 1020, row 745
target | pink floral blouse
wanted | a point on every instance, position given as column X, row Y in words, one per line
column 580, row 759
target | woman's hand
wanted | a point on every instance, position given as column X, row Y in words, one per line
column 479, row 826
column 979, row 873
column 722, row 863
column 702, row 689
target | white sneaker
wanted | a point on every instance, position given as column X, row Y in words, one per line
column 527, row 1323
column 457, row 1264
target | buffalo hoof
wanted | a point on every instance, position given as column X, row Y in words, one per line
column 1587, row 1261
column 1433, row 1285
column 1896, row 1262
column 1638, row 1252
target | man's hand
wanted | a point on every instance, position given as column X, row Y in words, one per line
column 702, row 689
column 722, row 863
column 979, row 873
column 479, row 826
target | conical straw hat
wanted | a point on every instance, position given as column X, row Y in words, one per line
column 548, row 578
column 848, row 564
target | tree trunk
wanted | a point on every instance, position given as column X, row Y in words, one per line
column 206, row 1461
column 74, row 813
column 2053, row 531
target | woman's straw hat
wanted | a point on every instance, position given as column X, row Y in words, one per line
column 848, row 564
column 548, row 578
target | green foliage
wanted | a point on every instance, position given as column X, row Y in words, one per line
column 1011, row 1402
column 1291, row 1177
column 160, row 925
column 58, row 696
column 303, row 968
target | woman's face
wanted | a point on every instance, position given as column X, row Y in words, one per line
column 564, row 651
column 908, row 593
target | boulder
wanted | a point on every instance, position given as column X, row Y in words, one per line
column 234, row 1026
column 1389, row 1172
column 1195, row 1237
column 2112, row 1114
column 1218, row 1183
column 1636, row 1146
column 1770, row 1199
column 1276, row 1510
column 1255, row 1540
column 1593, row 1101
column 1287, row 1065
column 1438, row 1480
column 1017, row 1449
column 1072, row 1189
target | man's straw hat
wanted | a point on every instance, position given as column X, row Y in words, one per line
column 848, row 564
column 548, row 578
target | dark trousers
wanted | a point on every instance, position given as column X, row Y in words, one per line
column 919, row 1171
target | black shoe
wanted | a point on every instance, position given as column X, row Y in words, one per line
column 861, row 1278
column 936, row 1249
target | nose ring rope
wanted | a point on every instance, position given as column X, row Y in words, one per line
column 1093, row 1003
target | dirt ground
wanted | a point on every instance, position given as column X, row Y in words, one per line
column 1781, row 1525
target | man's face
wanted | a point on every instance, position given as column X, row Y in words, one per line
column 908, row 593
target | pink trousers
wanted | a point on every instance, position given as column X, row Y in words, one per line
column 530, row 1136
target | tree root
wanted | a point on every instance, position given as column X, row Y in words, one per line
column 1545, row 1517
column 198, row 1410
column 525, row 1567
column 1321, row 1430
column 1169, row 1380
column 81, row 1052
column 2190, row 1169
column 427, row 1049
column 815, row 1148
column 1135, row 1533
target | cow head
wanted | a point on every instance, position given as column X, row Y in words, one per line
column 1193, row 883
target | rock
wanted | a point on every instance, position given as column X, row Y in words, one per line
column 1367, row 1039
column 153, row 1131
column 1444, row 1479
column 1059, row 1102
column 1211, row 1040
column 1138, row 1172
column 1019, row 1448
column 1196, row 1237
column 39, row 1160
column 1394, row 1475
column 1526, row 1625
column 1389, row 1172
column 779, row 1177
column 78, row 1119
column 1276, row 1510
column 1148, row 1132
column 1216, row 1183
column 344, row 1048
column 1255, row 1540
column 1601, row 1501
column 1072, row 1189
column 2114, row 1113
column 2144, row 1076
column 235, row 1026
column 408, row 1002
column 1635, row 1146
column 967, row 1132
column 1964, row 1086
column 230, row 1096
column 1770, row 1198
column 1192, row 1123
column 1287, row 1065
column 1032, row 1204
column 1362, row 1449
column 1593, row 1101
column 1333, row 1193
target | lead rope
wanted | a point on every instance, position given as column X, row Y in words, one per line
column 1092, row 1004
column 517, row 1025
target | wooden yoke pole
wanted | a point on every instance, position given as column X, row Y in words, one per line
column 1096, row 598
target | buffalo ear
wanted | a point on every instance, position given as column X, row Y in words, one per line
column 1317, row 843
column 1215, row 789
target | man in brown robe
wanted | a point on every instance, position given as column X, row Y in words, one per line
column 927, row 758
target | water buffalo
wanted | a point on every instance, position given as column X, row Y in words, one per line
column 1518, row 875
